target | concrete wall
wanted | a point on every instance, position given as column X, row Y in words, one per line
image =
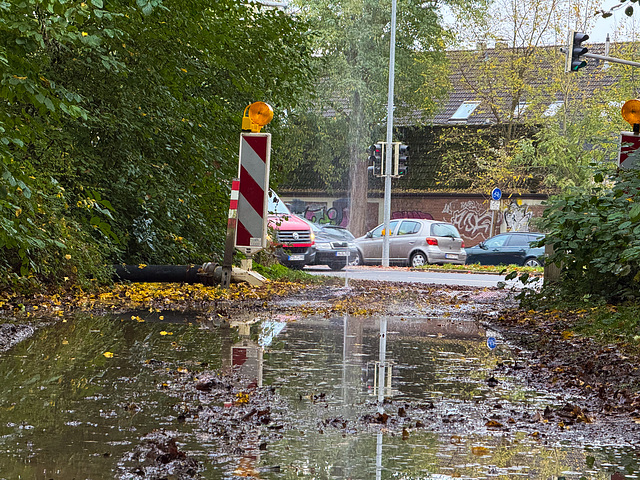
column 469, row 213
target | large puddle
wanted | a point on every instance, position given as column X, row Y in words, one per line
column 78, row 396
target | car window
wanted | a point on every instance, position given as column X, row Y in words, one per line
column 444, row 230
column 276, row 205
column 497, row 241
column 339, row 232
column 377, row 232
column 519, row 240
column 407, row 227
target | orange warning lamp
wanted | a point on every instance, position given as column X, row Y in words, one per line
column 256, row 116
column 631, row 113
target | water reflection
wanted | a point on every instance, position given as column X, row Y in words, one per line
column 442, row 361
column 245, row 356
column 68, row 410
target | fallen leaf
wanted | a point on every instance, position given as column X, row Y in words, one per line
column 479, row 451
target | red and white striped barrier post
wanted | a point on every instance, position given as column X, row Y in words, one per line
column 248, row 216
column 227, row 263
column 253, row 171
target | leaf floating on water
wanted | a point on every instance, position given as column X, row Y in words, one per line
column 242, row 397
column 108, row 354
column 493, row 424
column 163, row 332
column 479, row 451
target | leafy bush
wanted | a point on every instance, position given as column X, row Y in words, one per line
column 595, row 232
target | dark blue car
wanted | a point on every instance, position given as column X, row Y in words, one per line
column 334, row 246
column 513, row 248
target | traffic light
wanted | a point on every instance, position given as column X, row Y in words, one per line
column 401, row 159
column 376, row 156
column 574, row 51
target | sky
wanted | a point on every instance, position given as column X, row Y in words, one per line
column 618, row 26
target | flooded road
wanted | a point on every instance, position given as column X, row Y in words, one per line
column 79, row 396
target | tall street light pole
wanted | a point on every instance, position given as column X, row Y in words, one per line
column 388, row 152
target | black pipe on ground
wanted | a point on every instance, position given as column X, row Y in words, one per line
column 166, row 273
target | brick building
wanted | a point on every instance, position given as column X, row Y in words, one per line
column 481, row 107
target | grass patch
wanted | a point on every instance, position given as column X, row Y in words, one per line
column 612, row 324
column 477, row 268
column 282, row 273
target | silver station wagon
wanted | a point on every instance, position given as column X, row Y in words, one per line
column 414, row 242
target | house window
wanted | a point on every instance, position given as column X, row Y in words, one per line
column 464, row 111
column 520, row 108
column 613, row 105
column 553, row 108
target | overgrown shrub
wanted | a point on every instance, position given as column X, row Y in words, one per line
column 595, row 232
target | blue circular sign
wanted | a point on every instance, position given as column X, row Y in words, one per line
column 496, row 194
column 491, row 343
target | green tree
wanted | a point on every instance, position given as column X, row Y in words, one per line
column 351, row 42
column 119, row 125
column 554, row 124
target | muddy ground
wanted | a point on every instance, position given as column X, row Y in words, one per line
column 597, row 386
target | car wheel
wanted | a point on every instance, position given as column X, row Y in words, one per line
column 418, row 259
column 337, row 266
column 532, row 262
column 357, row 260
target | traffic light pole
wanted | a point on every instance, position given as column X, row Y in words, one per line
column 387, row 164
column 606, row 58
column 611, row 59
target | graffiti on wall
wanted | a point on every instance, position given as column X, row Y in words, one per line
column 517, row 217
column 338, row 214
column 411, row 214
column 470, row 217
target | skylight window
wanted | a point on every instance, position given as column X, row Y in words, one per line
column 520, row 108
column 464, row 111
column 553, row 108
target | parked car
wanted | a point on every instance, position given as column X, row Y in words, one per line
column 334, row 246
column 291, row 235
column 413, row 242
column 512, row 248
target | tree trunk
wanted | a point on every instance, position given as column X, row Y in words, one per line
column 358, row 178
column 359, row 187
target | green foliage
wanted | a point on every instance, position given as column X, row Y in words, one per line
column 119, row 125
column 595, row 232
column 280, row 272
column 330, row 133
column 610, row 324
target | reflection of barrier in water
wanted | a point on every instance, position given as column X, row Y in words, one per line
column 246, row 356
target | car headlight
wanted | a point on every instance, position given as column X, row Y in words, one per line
column 351, row 245
column 323, row 246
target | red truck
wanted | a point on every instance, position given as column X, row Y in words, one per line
column 292, row 236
